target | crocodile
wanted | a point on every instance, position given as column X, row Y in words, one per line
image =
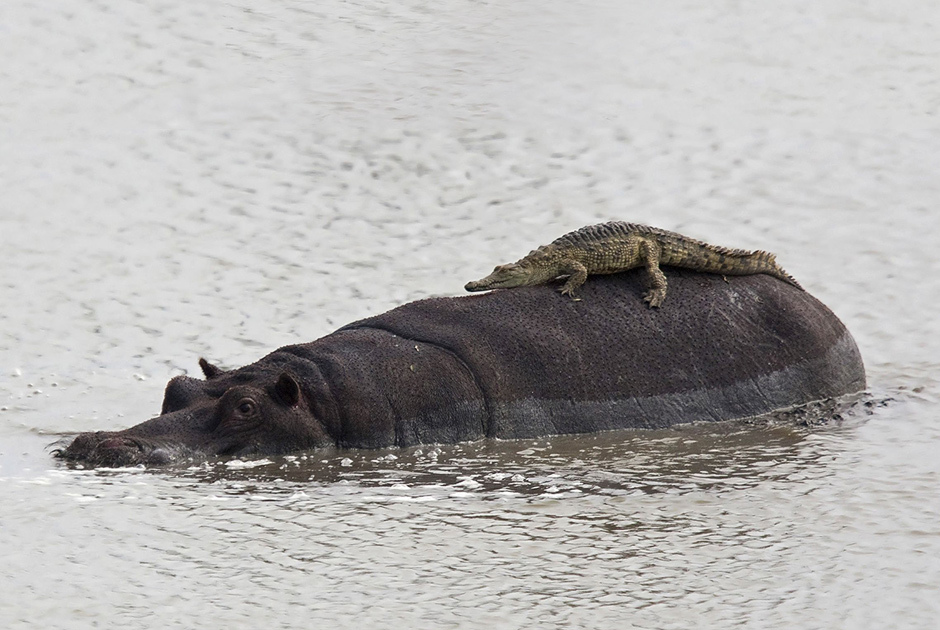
column 619, row 246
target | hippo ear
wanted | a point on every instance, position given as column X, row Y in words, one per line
column 287, row 389
column 208, row 369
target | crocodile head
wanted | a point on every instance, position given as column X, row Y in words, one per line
column 505, row 277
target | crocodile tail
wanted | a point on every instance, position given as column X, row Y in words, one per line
column 768, row 264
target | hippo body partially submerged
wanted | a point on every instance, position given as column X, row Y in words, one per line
column 518, row 363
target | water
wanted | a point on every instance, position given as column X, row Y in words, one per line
column 203, row 179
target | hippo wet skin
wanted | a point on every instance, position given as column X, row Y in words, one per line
column 516, row 363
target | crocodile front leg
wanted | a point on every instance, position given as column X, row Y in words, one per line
column 577, row 274
column 657, row 293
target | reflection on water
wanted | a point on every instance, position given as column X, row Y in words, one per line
column 702, row 456
column 573, row 529
column 728, row 455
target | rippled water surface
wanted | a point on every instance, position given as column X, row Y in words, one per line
column 220, row 179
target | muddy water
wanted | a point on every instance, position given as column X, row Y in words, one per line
column 202, row 179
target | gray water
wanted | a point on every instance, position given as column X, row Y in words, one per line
column 186, row 179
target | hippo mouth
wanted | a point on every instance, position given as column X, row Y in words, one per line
column 108, row 450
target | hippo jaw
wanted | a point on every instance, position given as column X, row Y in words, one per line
column 204, row 419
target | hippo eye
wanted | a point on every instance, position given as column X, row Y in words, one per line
column 246, row 407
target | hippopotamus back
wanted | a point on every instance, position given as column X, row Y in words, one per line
column 540, row 363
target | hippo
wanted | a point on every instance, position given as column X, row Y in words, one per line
column 516, row 363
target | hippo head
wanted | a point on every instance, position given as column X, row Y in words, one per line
column 229, row 413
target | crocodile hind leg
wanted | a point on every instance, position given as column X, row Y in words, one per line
column 577, row 274
column 657, row 291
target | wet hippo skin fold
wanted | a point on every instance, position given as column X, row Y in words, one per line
column 518, row 363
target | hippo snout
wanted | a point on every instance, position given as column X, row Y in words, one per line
column 112, row 450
